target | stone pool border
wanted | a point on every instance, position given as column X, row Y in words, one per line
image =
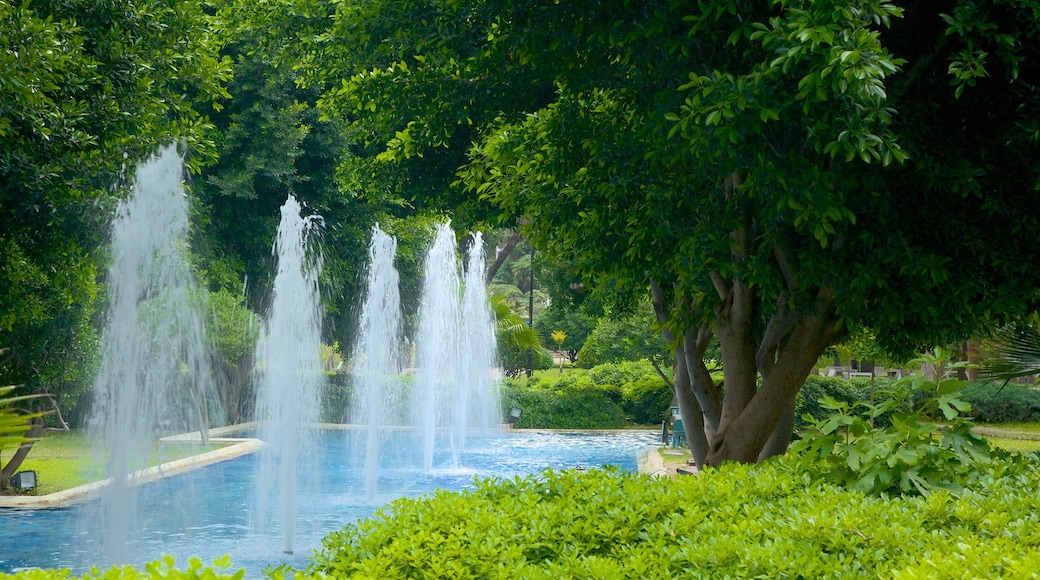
column 649, row 462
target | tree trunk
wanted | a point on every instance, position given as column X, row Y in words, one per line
column 696, row 425
column 502, row 255
column 764, row 426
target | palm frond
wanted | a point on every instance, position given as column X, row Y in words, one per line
column 1015, row 354
column 511, row 327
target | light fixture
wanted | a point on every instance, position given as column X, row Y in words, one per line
column 24, row 480
column 514, row 415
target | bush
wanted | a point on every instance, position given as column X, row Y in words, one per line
column 606, row 397
column 843, row 390
column 636, row 386
column 571, row 402
column 1011, row 404
column 514, row 359
column 163, row 568
column 737, row 521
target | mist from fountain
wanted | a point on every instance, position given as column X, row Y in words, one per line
column 377, row 363
column 290, row 379
column 154, row 378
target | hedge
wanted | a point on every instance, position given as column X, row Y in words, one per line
column 738, row 521
column 608, row 396
column 991, row 403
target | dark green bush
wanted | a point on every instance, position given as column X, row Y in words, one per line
column 738, row 521
column 572, row 402
column 1011, row 404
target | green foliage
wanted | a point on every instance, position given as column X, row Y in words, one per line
column 780, row 161
column 570, row 320
column 159, row 569
column 995, row 403
column 233, row 328
column 928, row 448
column 87, row 90
column 568, row 402
column 608, row 396
column 630, row 338
column 13, row 423
column 641, row 392
column 809, row 410
column 737, row 521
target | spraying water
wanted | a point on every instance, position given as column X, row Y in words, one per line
column 479, row 402
column 437, row 344
column 154, row 378
column 376, row 353
column 455, row 350
column 290, row 381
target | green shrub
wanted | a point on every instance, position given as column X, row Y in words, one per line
column 514, row 359
column 163, row 568
column 1011, row 404
column 927, row 448
column 570, row 402
column 737, row 521
column 849, row 391
column 633, row 390
column 637, row 387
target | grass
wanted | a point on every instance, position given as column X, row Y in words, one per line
column 64, row 460
column 1015, row 445
column 676, row 455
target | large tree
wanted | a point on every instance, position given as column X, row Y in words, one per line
column 774, row 172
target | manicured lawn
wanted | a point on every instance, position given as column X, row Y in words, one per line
column 1019, row 445
column 64, row 460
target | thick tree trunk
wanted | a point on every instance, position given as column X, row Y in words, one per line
column 690, row 374
column 762, row 427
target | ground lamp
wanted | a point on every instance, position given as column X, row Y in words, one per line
column 24, row 480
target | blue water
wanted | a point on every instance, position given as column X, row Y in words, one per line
column 205, row 513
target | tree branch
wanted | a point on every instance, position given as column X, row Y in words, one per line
column 502, row 255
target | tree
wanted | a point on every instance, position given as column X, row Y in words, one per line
column 575, row 324
column 86, row 90
column 775, row 172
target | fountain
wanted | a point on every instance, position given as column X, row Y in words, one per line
column 437, row 344
column 376, row 353
column 290, row 380
column 478, row 405
column 154, row 378
column 455, row 350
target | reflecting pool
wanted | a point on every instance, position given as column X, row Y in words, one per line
column 206, row 513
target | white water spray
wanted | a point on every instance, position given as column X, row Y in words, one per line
column 455, row 350
column 437, row 345
column 376, row 353
column 290, row 382
column 154, row 378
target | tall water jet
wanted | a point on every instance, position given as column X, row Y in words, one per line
column 154, row 378
column 376, row 354
column 290, row 379
column 478, row 404
column 437, row 343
